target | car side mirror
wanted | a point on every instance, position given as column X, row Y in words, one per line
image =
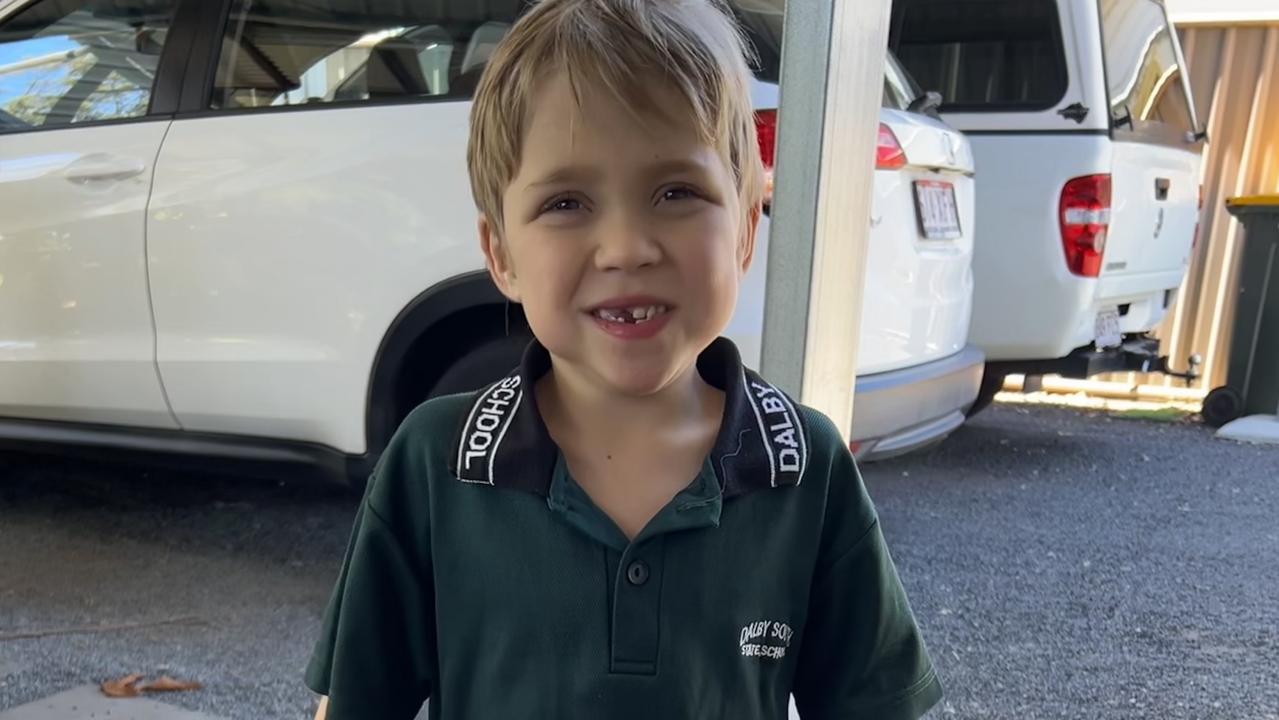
column 926, row 104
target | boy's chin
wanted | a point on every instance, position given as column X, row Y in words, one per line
column 637, row 375
column 630, row 369
column 636, row 379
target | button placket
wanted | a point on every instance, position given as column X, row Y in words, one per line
column 637, row 608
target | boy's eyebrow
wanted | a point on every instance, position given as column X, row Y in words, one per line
column 696, row 164
column 568, row 173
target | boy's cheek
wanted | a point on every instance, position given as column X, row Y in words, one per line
column 550, row 325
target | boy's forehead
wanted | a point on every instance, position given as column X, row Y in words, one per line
column 576, row 115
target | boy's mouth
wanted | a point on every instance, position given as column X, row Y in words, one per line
column 632, row 315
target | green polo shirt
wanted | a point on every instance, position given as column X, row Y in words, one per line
column 480, row 575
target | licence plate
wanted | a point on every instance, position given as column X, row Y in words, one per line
column 936, row 209
column 1107, row 330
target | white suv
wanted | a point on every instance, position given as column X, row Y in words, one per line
column 244, row 230
column 917, row 374
column 1079, row 112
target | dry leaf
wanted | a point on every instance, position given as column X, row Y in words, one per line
column 126, row 686
column 168, row 684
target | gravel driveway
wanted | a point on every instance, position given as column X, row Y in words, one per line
column 1063, row 564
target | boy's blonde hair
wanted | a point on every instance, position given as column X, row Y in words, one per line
column 694, row 46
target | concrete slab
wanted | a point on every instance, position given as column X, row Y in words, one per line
column 88, row 703
column 1253, row 429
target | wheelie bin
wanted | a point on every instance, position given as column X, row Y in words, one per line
column 1252, row 376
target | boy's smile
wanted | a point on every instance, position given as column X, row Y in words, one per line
column 633, row 318
column 623, row 236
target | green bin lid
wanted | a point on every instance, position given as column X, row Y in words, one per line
column 1250, row 204
column 1252, row 201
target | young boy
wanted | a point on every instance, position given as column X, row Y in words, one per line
column 630, row 525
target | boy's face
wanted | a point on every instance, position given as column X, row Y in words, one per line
column 624, row 237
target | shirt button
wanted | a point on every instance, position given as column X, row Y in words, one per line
column 637, row 573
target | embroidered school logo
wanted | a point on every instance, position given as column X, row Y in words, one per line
column 485, row 427
column 765, row 639
column 783, row 435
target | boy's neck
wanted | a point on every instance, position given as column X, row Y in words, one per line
column 576, row 405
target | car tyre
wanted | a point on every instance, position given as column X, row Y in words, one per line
column 991, row 384
column 485, row 363
column 1221, row 406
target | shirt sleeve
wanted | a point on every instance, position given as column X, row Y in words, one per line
column 862, row 655
column 376, row 653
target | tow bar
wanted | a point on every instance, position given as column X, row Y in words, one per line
column 1142, row 355
column 1191, row 374
column 1137, row 353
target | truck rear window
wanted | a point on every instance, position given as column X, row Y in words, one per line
column 982, row 55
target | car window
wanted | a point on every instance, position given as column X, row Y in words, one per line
column 982, row 55
column 64, row 63
column 761, row 20
column 899, row 88
column 1142, row 70
column 297, row 52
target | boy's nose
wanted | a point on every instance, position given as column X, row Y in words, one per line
column 625, row 244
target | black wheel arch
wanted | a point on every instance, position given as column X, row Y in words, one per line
column 468, row 301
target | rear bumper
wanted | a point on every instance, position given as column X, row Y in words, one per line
column 899, row 411
column 1050, row 321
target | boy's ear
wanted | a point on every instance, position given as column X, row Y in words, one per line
column 498, row 260
column 746, row 249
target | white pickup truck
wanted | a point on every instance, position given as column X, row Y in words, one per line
column 1088, row 149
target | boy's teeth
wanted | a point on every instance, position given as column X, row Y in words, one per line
column 638, row 314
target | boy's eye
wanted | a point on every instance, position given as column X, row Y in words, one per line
column 562, row 204
column 678, row 193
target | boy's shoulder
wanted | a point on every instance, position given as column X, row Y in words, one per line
column 432, row 426
column 820, row 434
column 412, row 468
column 420, row 445
column 823, row 434
column 459, row 436
column 770, row 434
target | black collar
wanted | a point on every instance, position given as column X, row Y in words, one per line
column 762, row 441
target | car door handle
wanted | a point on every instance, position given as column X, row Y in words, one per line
column 103, row 167
column 1161, row 188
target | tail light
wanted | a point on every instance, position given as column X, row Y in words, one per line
column 888, row 152
column 766, row 129
column 1085, row 220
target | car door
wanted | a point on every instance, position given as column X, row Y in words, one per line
column 77, row 150
column 1155, row 181
column 313, row 184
